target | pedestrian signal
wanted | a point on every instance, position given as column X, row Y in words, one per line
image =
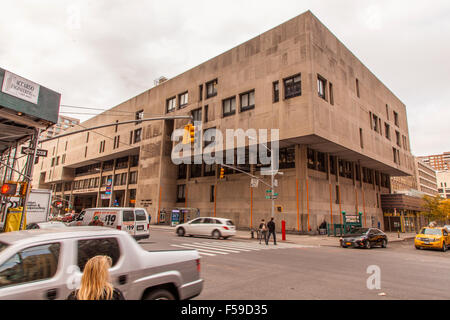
column 9, row 189
column 191, row 133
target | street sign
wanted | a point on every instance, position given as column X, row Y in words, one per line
column 268, row 191
column 39, row 152
column 275, row 183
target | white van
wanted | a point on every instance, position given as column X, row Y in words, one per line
column 133, row 220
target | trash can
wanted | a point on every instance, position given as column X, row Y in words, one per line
column 322, row 232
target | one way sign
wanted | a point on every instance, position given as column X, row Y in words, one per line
column 39, row 152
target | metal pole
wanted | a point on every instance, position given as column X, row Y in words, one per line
column 272, row 187
column 29, row 173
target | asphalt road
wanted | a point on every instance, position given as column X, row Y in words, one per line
column 244, row 269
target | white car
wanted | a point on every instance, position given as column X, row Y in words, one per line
column 207, row 226
column 46, row 225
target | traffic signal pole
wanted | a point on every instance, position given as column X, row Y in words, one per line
column 28, row 175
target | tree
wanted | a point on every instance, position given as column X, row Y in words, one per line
column 436, row 208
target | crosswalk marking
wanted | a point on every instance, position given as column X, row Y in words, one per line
column 209, row 247
column 213, row 248
column 200, row 251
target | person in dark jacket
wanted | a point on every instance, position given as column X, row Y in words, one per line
column 271, row 227
column 95, row 282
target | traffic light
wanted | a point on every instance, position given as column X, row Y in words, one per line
column 186, row 134
column 222, row 173
column 23, row 189
column 191, row 133
column 9, row 189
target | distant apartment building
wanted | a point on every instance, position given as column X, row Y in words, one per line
column 439, row 162
column 63, row 124
column 443, row 181
column 342, row 135
column 426, row 178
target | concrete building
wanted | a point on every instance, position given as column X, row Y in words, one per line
column 443, row 181
column 63, row 124
column 342, row 134
column 426, row 178
column 439, row 162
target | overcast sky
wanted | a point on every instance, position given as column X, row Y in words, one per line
column 103, row 52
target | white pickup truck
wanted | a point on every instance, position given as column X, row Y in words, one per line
column 48, row 264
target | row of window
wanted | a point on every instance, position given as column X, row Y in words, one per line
column 375, row 124
column 120, row 179
column 121, row 163
column 318, row 161
column 55, row 160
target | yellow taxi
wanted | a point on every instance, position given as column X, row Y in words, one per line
column 435, row 238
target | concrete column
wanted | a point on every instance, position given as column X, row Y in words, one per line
column 112, row 183
column 301, row 169
column 126, row 196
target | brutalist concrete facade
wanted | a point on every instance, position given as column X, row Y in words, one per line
column 342, row 137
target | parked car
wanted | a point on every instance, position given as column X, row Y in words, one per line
column 207, row 226
column 447, row 227
column 46, row 225
column 364, row 238
column 135, row 221
column 435, row 238
column 48, row 264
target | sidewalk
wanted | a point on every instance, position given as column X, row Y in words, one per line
column 312, row 240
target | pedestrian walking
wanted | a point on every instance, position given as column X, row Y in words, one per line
column 271, row 227
column 95, row 283
column 262, row 231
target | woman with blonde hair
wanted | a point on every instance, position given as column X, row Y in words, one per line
column 95, row 282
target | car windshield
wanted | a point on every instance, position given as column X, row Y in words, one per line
column 437, row 232
column 359, row 231
column 230, row 223
column 3, row 246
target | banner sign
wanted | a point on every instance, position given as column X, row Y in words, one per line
column 20, row 87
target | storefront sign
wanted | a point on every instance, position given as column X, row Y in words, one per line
column 20, row 87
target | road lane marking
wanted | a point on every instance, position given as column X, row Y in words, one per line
column 213, row 247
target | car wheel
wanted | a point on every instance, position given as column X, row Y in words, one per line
column 181, row 232
column 444, row 246
column 418, row 248
column 216, row 234
column 225, row 238
column 159, row 294
column 384, row 243
column 367, row 245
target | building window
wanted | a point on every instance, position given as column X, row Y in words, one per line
column 117, row 126
column 139, row 116
column 397, row 137
column 116, row 142
column 63, row 159
column 357, row 88
column 134, row 161
column 102, row 146
column 182, row 170
column 123, row 179
column 292, row 87
column 133, row 177
column 87, row 137
column 331, row 94
column 361, row 141
column 181, row 191
column 211, row 89
column 321, row 85
column 229, row 107
column 394, row 151
column 276, row 91
column 183, row 100
column 196, row 170
column 53, row 162
column 211, row 194
column 396, row 118
column 137, row 135
column 338, row 196
column 247, row 100
column 171, row 104
column 387, row 131
column 287, row 158
column 122, row 163
column 85, row 152
column 65, row 149
column 387, row 112
column 206, row 114
column 200, row 92
column 209, row 170
column 197, row 114
column 375, row 123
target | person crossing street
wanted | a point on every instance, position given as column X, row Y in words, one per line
column 271, row 227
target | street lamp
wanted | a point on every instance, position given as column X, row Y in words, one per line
column 272, row 174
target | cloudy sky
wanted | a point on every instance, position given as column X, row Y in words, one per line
column 100, row 53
